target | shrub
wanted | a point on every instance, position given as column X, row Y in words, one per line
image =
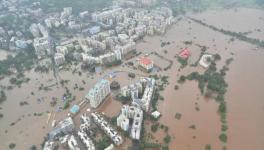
column 33, row 147
column 207, row 147
column 223, row 137
column 12, row 145
column 167, row 139
column 154, row 127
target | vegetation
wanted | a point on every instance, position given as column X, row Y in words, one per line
column 178, row 116
column 103, row 143
column 223, row 137
column 154, row 127
column 164, row 44
column 183, row 62
column 1, row 115
column 208, row 147
column 24, row 60
column 2, row 96
column 33, row 147
column 213, row 82
column 12, row 145
column 115, row 63
column 167, row 139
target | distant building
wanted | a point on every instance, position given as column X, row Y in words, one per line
column 59, row 59
column 42, row 46
column 21, row 44
column 94, row 30
column 145, row 63
column 98, row 93
column 34, row 29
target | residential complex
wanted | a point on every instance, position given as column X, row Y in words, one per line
column 98, row 93
column 108, row 130
column 135, row 110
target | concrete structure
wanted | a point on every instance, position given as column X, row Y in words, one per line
column 146, row 63
column 133, row 90
column 205, row 60
column 155, row 114
column 43, row 46
column 134, row 113
column 108, row 130
column 65, row 126
column 86, row 140
column 98, row 93
column 72, row 143
column 59, row 59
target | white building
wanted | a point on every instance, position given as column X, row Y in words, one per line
column 131, row 112
column 59, row 58
column 86, row 140
column 205, row 60
column 98, row 93
column 34, row 29
column 146, row 63
column 72, row 143
column 42, row 46
column 108, row 130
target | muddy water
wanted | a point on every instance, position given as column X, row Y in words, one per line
column 244, row 96
column 237, row 20
column 23, row 133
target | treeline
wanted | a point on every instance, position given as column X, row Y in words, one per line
column 212, row 84
column 239, row 36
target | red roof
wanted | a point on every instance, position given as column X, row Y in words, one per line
column 185, row 53
column 145, row 61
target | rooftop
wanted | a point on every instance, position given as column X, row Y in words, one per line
column 145, row 61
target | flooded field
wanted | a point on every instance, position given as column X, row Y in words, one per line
column 244, row 97
column 245, row 20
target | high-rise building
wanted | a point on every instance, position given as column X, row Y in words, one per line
column 98, row 93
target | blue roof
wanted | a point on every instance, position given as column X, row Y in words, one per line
column 75, row 109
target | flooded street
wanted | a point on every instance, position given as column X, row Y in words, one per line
column 245, row 78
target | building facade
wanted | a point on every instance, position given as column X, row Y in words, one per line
column 98, row 93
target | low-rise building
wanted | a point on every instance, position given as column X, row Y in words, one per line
column 206, row 60
column 146, row 63
column 59, row 59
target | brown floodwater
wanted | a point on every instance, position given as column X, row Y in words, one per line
column 244, row 97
